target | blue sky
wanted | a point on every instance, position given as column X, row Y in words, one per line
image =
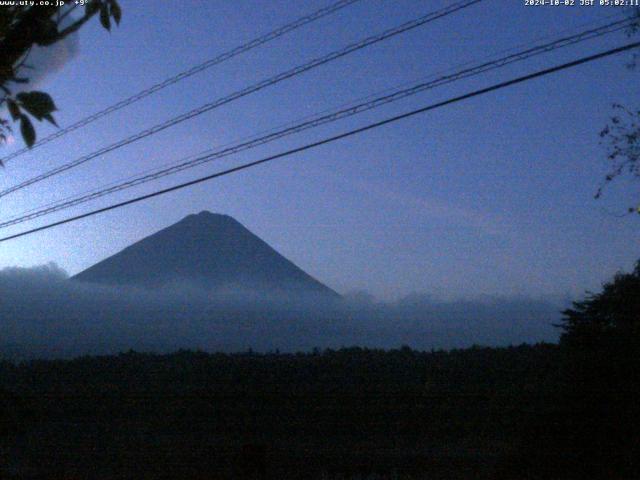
column 490, row 196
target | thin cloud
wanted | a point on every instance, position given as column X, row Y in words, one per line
column 43, row 313
column 428, row 207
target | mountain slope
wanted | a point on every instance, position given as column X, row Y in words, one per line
column 208, row 249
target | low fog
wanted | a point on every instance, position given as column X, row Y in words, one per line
column 45, row 314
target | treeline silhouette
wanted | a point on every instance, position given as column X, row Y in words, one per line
column 334, row 412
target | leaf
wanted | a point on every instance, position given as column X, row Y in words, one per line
column 27, row 131
column 46, row 32
column 49, row 118
column 6, row 72
column 104, row 16
column 38, row 104
column 116, row 12
column 14, row 110
column 91, row 7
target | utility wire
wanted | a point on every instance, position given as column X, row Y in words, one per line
column 211, row 155
column 306, row 117
column 251, row 89
column 256, row 42
column 371, row 126
column 78, row 198
column 256, row 140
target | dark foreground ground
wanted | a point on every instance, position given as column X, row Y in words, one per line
column 352, row 413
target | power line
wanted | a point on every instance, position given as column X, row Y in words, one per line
column 315, row 115
column 251, row 89
column 211, row 155
column 256, row 42
column 334, row 138
column 207, row 156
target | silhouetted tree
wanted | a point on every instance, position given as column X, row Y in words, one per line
column 622, row 133
column 22, row 27
column 608, row 318
column 583, row 421
column 599, row 382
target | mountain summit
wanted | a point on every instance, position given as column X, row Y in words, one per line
column 207, row 249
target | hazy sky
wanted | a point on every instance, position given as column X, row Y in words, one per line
column 492, row 195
